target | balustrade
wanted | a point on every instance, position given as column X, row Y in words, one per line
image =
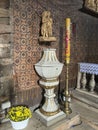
column 83, row 82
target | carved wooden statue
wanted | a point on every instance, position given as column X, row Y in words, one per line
column 46, row 28
column 89, row 3
column 92, row 4
column 96, row 5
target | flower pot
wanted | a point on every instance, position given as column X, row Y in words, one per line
column 20, row 124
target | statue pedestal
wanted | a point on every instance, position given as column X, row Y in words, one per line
column 47, row 39
column 50, row 120
column 50, row 107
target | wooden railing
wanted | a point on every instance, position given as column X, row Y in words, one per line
column 82, row 80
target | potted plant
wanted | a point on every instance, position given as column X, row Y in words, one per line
column 19, row 116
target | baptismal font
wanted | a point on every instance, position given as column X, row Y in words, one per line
column 49, row 70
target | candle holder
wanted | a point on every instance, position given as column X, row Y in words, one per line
column 67, row 108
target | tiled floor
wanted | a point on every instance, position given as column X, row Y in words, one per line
column 88, row 116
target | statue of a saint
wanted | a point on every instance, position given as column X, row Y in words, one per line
column 46, row 28
column 87, row 3
column 96, row 5
column 91, row 4
column 49, row 25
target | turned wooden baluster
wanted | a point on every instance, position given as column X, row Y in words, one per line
column 84, row 81
column 92, row 83
column 79, row 80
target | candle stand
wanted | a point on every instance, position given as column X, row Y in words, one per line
column 67, row 108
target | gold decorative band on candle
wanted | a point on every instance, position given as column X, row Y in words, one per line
column 49, row 113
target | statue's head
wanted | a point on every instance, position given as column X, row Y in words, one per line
column 44, row 14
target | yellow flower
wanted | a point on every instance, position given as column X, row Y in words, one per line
column 19, row 113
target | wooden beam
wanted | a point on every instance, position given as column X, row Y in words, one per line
column 5, row 28
column 5, row 78
column 4, row 4
column 4, row 12
column 5, row 38
column 6, row 61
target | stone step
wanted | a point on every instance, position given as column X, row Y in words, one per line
column 86, row 97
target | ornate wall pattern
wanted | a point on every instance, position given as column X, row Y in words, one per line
column 28, row 50
column 25, row 43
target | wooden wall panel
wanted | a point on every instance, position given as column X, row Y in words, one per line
column 6, row 78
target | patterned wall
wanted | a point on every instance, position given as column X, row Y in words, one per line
column 28, row 50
